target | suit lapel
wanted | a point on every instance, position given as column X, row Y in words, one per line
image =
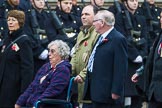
column 107, row 39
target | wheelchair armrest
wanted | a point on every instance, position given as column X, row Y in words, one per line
column 54, row 101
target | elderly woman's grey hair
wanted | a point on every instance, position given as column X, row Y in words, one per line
column 63, row 48
column 107, row 17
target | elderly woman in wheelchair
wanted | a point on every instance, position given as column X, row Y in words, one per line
column 52, row 79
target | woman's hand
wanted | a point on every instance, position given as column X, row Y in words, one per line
column 115, row 96
column 17, row 106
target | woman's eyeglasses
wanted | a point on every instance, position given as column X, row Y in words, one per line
column 51, row 51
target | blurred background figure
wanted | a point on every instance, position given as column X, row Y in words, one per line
column 98, row 4
column 116, row 7
column 41, row 26
column 16, row 61
column 152, row 16
column 52, row 79
column 15, row 4
column 76, row 9
column 5, row 6
column 70, row 21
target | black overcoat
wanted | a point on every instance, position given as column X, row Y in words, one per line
column 16, row 68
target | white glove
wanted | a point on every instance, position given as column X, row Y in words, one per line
column 127, row 101
column 138, row 59
column 43, row 55
column 70, row 34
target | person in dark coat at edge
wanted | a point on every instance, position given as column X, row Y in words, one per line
column 71, row 22
column 153, row 74
column 5, row 6
column 52, row 79
column 107, row 65
column 39, row 25
column 16, row 61
column 137, row 47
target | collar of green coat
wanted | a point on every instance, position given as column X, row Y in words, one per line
column 86, row 29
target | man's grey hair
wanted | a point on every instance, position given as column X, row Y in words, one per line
column 63, row 48
column 107, row 17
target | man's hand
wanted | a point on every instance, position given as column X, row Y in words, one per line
column 115, row 96
column 78, row 79
column 135, row 78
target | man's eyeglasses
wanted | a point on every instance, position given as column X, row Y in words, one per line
column 97, row 20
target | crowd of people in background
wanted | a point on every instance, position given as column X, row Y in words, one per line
column 113, row 52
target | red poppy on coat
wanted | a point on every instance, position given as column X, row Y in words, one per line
column 85, row 43
column 15, row 47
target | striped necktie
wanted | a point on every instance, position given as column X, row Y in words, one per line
column 91, row 58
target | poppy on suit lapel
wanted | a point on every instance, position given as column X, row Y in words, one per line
column 104, row 40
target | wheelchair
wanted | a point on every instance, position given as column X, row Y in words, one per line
column 67, row 103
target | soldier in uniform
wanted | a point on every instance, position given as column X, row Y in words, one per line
column 133, row 26
column 15, row 4
column 152, row 15
column 41, row 29
column 70, row 22
column 98, row 4
column 24, row 5
column 116, row 7
column 76, row 9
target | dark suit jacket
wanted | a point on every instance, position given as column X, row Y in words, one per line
column 109, row 68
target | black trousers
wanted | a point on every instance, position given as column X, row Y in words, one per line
column 87, row 105
column 154, row 104
column 106, row 105
column 136, row 102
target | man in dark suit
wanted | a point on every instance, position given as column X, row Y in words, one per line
column 107, row 64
